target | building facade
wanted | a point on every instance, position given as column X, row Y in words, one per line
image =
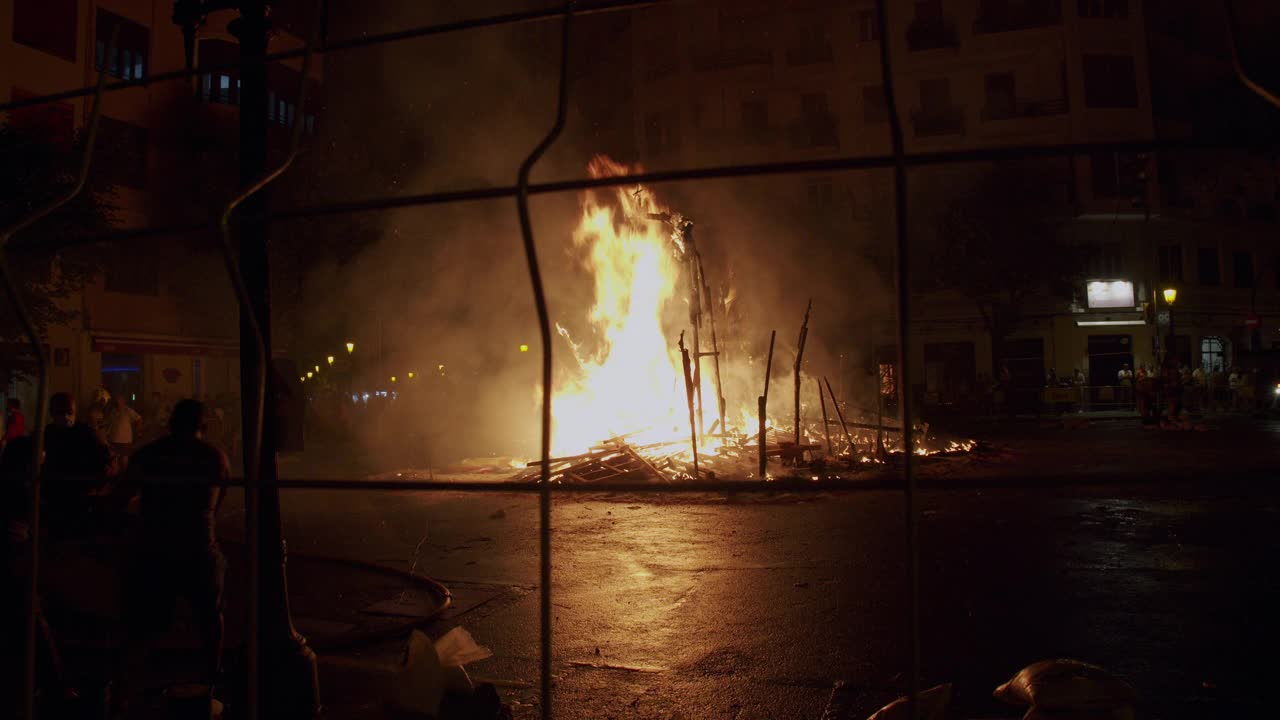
column 732, row 82
column 147, row 324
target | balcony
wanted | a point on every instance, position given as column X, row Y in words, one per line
column 940, row 121
column 995, row 16
column 1026, row 109
column 931, row 34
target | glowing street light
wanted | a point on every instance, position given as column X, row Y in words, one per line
column 410, row 376
column 317, row 368
column 393, row 378
column 1170, row 294
column 351, row 347
column 524, row 348
column 330, row 359
column 303, row 378
column 309, row 373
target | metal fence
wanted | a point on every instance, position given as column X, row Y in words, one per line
column 898, row 160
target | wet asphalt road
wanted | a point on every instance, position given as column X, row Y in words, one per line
column 753, row 608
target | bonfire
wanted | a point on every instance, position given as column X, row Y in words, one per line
column 652, row 395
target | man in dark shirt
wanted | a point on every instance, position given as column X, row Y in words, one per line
column 181, row 480
column 77, row 464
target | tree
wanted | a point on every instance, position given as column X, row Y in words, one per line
column 37, row 169
column 1002, row 243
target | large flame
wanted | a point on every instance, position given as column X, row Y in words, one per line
column 629, row 378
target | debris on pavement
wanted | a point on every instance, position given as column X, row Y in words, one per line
column 1069, row 690
column 431, row 671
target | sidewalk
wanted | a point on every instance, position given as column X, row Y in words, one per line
column 340, row 605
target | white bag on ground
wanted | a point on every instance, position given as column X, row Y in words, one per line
column 1052, row 685
column 432, row 669
column 934, row 704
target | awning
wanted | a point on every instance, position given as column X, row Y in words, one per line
column 132, row 344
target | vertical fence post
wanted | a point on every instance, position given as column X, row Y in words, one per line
column 904, row 360
column 293, row 663
column 544, row 328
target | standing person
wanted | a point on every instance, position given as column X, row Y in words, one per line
column 77, row 467
column 98, row 411
column 123, row 425
column 1082, row 389
column 181, row 483
column 15, row 533
column 15, row 424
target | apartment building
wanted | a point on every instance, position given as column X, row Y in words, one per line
column 141, row 327
column 728, row 82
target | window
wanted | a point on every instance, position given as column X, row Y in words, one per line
column 811, row 42
column 817, row 126
column 1171, row 262
column 1109, row 82
column 868, row 26
column 1004, row 15
column 1213, row 357
column 223, row 85
column 1207, row 263
column 1242, row 269
column 1107, row 260
column 126, row 145
column 1118, row 9
column 47, row 25
column 1002, row 100
column 55, row 122
column 755, row 122
column 128, row 59
column 874, row 108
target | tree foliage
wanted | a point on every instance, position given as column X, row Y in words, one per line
column 1003, row 243
column 36, row 170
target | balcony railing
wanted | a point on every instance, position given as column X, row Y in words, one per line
column 1026, row 109
column 933, row 122
column 996, row 16
column 931, row 33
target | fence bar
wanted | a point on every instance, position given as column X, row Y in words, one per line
column 421, row 31
column 42, row 386
column 254, row 424
column 1238, row 64
column 544, row 328
column 911, row 548
column 799, row 484
column 861, row 162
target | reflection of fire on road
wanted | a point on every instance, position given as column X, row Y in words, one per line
column 623, row 410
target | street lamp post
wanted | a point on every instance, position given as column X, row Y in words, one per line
column 286, row 677
column 1170, row 295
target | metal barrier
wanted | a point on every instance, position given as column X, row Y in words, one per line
column 898, row 160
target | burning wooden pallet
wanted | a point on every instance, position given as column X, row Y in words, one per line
column 614, row 461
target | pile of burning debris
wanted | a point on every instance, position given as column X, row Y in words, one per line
column 650, row 281
column 736, row 456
